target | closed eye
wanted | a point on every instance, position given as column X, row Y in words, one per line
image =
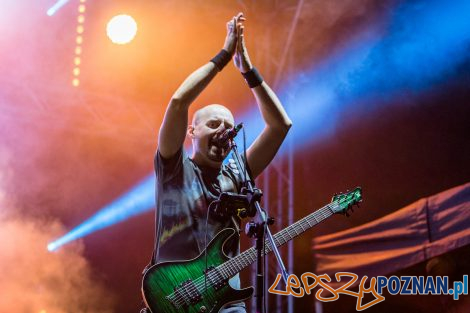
column 213, row 124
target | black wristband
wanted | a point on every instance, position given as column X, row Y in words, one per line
column 253, row 78
column 221, row 59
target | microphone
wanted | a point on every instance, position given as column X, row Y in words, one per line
column 227, row 135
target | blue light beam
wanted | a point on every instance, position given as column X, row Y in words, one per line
column 423, row 45
column 52, row 10
column 138, row 200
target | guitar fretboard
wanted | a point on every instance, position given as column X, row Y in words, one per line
column 246, row 258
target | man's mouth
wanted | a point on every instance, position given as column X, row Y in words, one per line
column 214, row 142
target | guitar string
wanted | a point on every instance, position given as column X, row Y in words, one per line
column 198, row 283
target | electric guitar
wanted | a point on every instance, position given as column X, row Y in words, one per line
column 190, row 286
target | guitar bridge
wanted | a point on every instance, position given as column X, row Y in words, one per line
column 185, row 295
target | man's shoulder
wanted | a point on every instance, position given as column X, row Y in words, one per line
column 178, row 155
column 167, row 168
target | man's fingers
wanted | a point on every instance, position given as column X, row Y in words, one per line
column 239, row 25
column 234, row 24
column 241, row 41
column 240, row 17
column 240, row 35
column 236, row 19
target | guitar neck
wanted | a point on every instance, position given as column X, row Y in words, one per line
column 238, row 263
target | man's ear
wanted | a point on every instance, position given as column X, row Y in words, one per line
column 190, row 131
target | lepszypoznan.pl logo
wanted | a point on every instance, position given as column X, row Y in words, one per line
column 404, row 285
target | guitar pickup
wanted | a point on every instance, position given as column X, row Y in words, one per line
column 215, row 278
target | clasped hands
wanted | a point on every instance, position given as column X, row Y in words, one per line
column 235, row 43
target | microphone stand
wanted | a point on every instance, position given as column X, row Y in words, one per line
column 258, row 230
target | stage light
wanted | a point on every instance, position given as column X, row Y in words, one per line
column 79, row 41
column 121, row 29
column 139, row 199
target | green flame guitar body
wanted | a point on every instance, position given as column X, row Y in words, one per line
column 161, row 280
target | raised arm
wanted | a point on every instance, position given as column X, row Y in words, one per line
column 277, row 123
column 173, row 128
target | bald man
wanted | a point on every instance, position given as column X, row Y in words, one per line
column 187, row 185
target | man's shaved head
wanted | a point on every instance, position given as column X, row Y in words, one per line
column 209, row 111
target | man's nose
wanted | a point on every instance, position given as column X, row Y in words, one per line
column 221, row 128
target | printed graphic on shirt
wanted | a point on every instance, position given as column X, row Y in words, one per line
column 170, row 232
column 177, row 222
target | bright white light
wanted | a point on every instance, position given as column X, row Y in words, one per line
column 121, row 29
column 51, row 247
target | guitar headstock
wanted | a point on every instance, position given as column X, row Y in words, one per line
column 345, row 201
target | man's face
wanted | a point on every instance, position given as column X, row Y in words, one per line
column 208, row 124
